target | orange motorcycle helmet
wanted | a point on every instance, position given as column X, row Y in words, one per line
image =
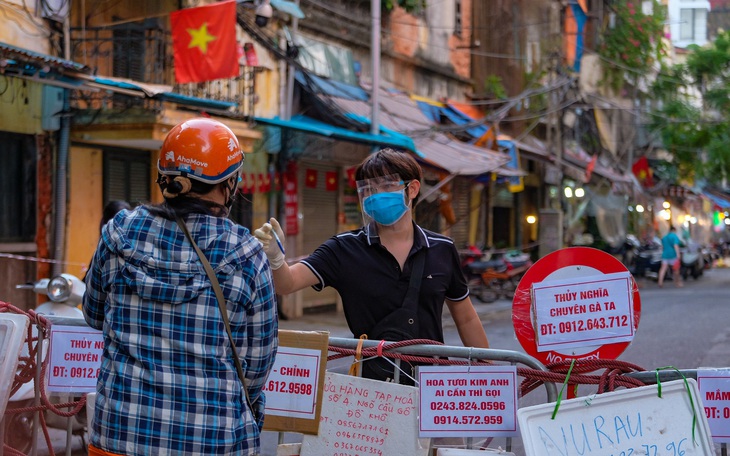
column 202, row 149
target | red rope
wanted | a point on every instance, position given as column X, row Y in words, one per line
column 26, row 372
column 611, row 377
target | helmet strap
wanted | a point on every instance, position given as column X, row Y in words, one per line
column 231, row 186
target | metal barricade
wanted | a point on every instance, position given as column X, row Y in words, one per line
column 40, row 355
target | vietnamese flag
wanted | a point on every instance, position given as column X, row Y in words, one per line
column 330, row 181
column 643, row 173
column 310, row 178
column 204, row 42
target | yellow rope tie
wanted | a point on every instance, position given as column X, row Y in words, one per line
column 355, row 367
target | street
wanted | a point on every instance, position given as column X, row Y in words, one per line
column 681, row 327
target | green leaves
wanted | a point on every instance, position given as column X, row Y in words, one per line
column 634, row 44
column 695, row 108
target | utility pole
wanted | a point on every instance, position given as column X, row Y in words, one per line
column 375, row 58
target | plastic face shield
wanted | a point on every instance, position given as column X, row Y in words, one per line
column 369, row 187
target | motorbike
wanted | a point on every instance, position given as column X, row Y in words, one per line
column 496, row 275
column 647, row 259
column 692, row 261
column 64, row 294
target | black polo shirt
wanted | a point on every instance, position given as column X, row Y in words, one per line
column 371, row 283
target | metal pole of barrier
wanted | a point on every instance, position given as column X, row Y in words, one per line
column 493, row 354
column 650, row 377
column 69, row 430
column 37, row 388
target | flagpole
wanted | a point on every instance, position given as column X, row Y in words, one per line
column 375, row 57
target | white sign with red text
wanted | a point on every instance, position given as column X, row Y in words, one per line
column 291, row 389
column 587, row 311
column 467, row 401
column 714, row 386
column 361, row 416
column 74, row 359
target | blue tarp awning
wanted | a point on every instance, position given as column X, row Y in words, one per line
column 308, row 125
column 333, row 88
column 434, row 112
column 717, row 200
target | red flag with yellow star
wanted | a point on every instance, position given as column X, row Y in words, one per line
column 204, row 42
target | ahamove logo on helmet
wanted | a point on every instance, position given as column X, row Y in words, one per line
column 170, row 155
column 191, row 161
column 231, row 148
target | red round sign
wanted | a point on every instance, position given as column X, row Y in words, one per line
column 568, row 263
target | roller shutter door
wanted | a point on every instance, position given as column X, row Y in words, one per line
column 319, row 222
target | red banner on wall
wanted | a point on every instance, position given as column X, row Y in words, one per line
column 291, row 200
column 330, row 181
column 310, row 178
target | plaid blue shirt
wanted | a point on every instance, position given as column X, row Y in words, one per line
column 168, row 384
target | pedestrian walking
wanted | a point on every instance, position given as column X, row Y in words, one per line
column 186, row 303
column 373, row 267
column 670, row 257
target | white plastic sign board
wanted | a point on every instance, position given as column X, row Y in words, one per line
column 13, row 330
column 627, row 422
column 74, row 359
column 361, row 416
column 580, row 312
column 291, row 389
column 714, row 385
column 467, row 401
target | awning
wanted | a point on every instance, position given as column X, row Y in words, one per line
column 308, row 125
column 399, row 113
column 288, row 7
column 717, row 200
column 46, row 69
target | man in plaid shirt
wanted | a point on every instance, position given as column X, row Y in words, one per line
column 168, row 384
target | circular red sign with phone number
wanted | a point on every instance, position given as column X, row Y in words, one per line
column 568, row 263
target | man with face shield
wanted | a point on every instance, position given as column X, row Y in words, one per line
column 169, row 382
column 372, row 267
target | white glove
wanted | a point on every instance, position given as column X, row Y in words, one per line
column 271, row 237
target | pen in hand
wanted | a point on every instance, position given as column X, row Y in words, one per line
column 278, row 241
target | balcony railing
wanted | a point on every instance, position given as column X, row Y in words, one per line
column 142, row 52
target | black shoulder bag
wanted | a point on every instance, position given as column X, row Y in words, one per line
column 222, row 306
column 401, row 324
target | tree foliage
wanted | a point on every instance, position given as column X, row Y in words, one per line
column 633, row 43
column 692, row 120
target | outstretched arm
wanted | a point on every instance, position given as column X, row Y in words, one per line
column 287, row 279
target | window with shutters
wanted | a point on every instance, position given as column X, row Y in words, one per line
column 17, row 188
column 126, row 176
column 138, row 55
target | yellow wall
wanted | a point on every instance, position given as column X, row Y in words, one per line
column 85, row 204
column 20, row 106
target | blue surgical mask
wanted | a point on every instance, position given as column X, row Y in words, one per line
column 386, row 208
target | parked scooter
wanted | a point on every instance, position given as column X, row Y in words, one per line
column 647, row 260
column 64, row 293
column 496, row 275
column 693, row 261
